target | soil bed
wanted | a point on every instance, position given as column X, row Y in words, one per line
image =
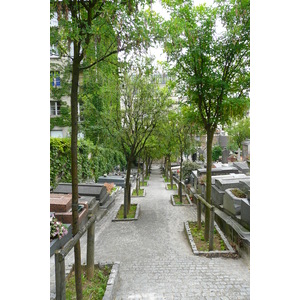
column 201, row 244
column 93, row 289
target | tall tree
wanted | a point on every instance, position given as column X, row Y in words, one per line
column 142, row 106
column 211, row 66
column 79, row 27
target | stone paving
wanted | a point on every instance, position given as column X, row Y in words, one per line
column 156, row 261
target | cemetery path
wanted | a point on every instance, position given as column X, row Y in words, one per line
column 156, row 261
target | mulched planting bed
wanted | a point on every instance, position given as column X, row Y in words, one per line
column 93, row 289
column 201, row 244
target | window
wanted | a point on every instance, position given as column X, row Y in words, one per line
column 53, row 51
column 56, row 133
column 55, row 78
column 54, row 108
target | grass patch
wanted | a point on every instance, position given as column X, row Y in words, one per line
column 145, row 183
column 93, row 289
column 147, row 177
column 165, row 178
column 141, row 192
column 130, row 215
column 169, row 186
column 177, row 199
column 198, row 236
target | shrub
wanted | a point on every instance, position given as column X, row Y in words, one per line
column 216, row 153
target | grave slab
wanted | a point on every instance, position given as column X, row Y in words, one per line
column 242, row 167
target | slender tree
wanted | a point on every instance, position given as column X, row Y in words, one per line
column 211, row 66
column 143, row 104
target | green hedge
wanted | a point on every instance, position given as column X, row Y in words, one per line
column 93, row 161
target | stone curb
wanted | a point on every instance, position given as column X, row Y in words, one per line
column 174, row 204
column 227, row 253
column 113, row 281
column 137, row 213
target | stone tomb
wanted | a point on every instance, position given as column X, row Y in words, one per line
column 232, row 203
column 218, row 190
column 117, row 180
column 61, row 205
column 86, row 189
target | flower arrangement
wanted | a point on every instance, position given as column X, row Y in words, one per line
column 109, row 187
column 57, row 229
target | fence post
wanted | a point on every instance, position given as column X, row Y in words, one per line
column 90, row 250
column 198, row 213
column 60, row 280
column 211, row 229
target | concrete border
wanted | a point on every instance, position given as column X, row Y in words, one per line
column 137, row 213
column 230, row 253
column 113, row 281
column 174, row 204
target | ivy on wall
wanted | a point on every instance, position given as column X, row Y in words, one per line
column 93, row 161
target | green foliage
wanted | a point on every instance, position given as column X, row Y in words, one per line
column 238, row 133
column 216, row 153
column 188, row 167
column 93, row 161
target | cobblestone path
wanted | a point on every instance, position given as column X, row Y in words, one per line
column 156, row 261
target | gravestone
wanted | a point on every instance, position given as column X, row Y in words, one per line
column 245, row 149
column 225, row 155
column 223, row 140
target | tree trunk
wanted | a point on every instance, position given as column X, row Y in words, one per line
column 167, row 169
column 180, row 178
column 74, row 170
column 171, row 174
column 210, row 135
column 127, row 190
column 147, row 166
